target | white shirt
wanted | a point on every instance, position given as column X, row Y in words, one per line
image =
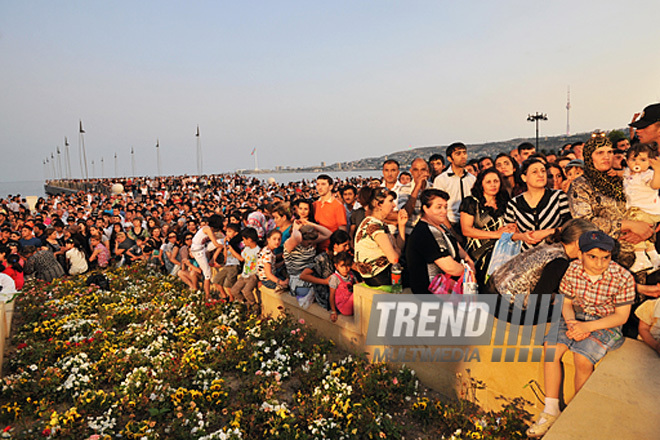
column 639, row 193
column 457, row 187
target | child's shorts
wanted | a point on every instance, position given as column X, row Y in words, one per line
column 596, row 345
column 226, row 277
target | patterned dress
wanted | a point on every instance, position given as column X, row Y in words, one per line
column 370, row 258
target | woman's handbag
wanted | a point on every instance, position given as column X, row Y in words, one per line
column 443, row 284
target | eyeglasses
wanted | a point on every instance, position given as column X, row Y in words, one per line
column 172, row 236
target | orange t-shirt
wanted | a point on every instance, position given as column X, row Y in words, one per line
column 330, row 214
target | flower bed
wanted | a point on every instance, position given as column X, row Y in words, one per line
column 149, row 360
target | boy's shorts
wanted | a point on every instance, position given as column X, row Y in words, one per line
column 596, row 345
column 226, row 277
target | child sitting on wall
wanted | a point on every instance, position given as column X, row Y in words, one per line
column 598, row 294
column 341, row 286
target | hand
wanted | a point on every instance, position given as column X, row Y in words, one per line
column 642, row 230
column 655, row 163
column 422, row 179
column 651, row 290
column 528, row 237
column 403, row 217
column 635, row 117
column 577, row 330
column 612, row 172
column 510, row 228
column 284, row 283
column 333, row 316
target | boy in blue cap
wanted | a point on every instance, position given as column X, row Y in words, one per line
column 598, row 294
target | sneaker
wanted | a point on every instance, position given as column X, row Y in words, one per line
column 641, row 264
column 541, row 426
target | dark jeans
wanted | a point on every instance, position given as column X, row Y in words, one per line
column 382, row 279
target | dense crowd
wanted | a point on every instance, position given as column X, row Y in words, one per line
column 584, row 215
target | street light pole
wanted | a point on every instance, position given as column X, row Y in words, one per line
column 536, row 118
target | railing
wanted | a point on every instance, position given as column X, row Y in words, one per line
column 54, row 187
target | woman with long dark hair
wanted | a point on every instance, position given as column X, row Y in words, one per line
column 482, row 218
column 376, row 250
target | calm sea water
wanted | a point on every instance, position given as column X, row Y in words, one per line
column 24, row 188
column 36, row 187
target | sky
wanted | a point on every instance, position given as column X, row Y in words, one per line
column 306, row 82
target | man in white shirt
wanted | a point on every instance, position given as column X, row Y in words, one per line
column 456, row 182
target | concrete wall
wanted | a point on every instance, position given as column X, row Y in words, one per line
column 509, row 379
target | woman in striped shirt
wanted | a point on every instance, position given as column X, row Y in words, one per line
column 538, row 211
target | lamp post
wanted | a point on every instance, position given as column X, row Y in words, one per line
column 536, row 118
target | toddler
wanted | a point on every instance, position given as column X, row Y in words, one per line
column 341, row 286
column 641, row 181
column 266, row 262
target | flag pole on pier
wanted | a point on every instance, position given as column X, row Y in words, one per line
column 200, row 160
column 116, row 175
column 52, row 162
column 68, row 157
column 81, row 147
column 102, row 169
column 59, row 163
column 45, row 169
column 256, row 160
column 133, row 161
column 158, row 155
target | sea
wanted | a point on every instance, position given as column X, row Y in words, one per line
column 36, row 187
column 23, row 188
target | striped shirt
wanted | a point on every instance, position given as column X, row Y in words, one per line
column 552, row 211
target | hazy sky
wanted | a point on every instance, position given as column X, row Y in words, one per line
column 309, row 81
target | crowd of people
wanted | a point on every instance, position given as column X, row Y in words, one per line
column 585, row 216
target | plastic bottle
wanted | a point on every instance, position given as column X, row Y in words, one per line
column 396, row 278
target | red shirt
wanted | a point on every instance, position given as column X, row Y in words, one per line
column 15, row 275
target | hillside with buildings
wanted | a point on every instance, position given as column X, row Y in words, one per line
column 405, row 157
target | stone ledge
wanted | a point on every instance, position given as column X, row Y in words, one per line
column 619, row 401
column 508, row 379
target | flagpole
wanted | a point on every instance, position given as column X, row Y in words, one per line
column 52, row 162
column 133, row 161
column 68, row 158
column 256, row 160
column 45, row 170
column 81, row 141
column 59, row 163
column 158, row 156
column 102, row 169
column 93, row 169
column 116, row 175
column 200, row 165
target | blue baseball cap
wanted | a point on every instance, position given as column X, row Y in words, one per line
column 596, row 239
